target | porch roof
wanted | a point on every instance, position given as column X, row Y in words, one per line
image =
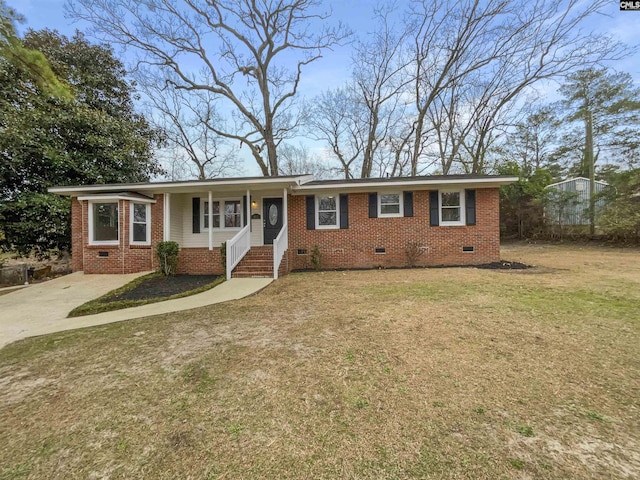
column 298, row 184
column 189, row 186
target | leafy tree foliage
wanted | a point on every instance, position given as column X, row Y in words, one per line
column 522, row 203
column 34, row 62
column 613, row 102
column 94, row 137
column 620, row 218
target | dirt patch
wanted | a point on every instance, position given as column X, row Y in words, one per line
column 14, row 269
column 161, row 287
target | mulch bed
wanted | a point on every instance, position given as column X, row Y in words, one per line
column 504, row 265
column 160, row 287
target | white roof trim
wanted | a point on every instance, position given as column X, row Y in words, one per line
column 169, row 186
column 493, row 182
column 121, row 196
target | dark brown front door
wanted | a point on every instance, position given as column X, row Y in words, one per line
column 271, row 218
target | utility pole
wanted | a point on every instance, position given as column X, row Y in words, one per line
column 592, row 172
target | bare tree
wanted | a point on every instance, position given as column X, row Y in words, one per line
column 379, row 78
column 361, row 121
column 336, row 120
column 501, row 47
column 248, row 53
column 185, row 119
column 296, row 160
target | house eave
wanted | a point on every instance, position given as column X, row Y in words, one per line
column 117, row 196
column 425, row 183
column 190, row 186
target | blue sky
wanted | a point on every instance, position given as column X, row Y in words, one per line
column 335, row 67
column 357, row 14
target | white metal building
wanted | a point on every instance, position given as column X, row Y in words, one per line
column 572, row 209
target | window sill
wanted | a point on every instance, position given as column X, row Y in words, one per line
column 140, row 246
column 220, row 230
column 98, row 246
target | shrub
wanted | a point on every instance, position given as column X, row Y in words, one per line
column 168, row 256
column 413, row 250
column 316, row 257
column 621, row 220
column 223, row 257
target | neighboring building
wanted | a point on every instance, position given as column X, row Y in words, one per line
column 271, row 225
column 570, row 205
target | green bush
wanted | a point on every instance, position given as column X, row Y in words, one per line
column 223, row 257
column 168, row 256
column 621, row 221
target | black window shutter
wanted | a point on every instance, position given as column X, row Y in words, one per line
column 195, row 210
column 470, row 206
column 344, row 210
column 373, row 205
column 311, row 212
column 408, row 204
column 244, row 211
column 433, row 208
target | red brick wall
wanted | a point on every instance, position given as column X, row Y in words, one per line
column 200, row 261
column 77, row 227
column 122, row 258
column 349, row 248
column 355, row 247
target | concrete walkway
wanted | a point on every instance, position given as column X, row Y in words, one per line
column 42, row 308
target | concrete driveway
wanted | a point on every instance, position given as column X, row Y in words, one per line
column 37, row 308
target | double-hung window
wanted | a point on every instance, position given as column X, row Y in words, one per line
column 452, row 207
column 140, row 224
column 232, row 214
column 103, row 222
column 216, row 214
column 390, row 205
column 225, row 214
column 327, row 208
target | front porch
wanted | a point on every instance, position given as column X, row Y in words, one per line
column 251, row 223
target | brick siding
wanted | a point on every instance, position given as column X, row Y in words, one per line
column 200, row 261
column 122, row 258
column 355, row 247
column 340, row 248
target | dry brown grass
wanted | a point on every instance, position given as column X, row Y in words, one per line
column 440, row 373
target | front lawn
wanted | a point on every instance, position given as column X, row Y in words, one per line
column 426, row 373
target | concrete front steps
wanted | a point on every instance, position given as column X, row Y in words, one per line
column 258, row 262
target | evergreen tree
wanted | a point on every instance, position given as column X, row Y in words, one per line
column 95, row 136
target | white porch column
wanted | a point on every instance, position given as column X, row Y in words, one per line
column 210, row 215
column 248, row 212
column 166, row 226
column 284, row 206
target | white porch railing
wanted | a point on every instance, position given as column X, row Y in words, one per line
column 280, row 245
column 237, row 248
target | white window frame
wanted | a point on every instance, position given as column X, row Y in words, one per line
column 147, row 222
column 92, row 241
column 205, row 214
column 462, row 220
column 317, row 212
column 221, row 202
column 401, row 203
